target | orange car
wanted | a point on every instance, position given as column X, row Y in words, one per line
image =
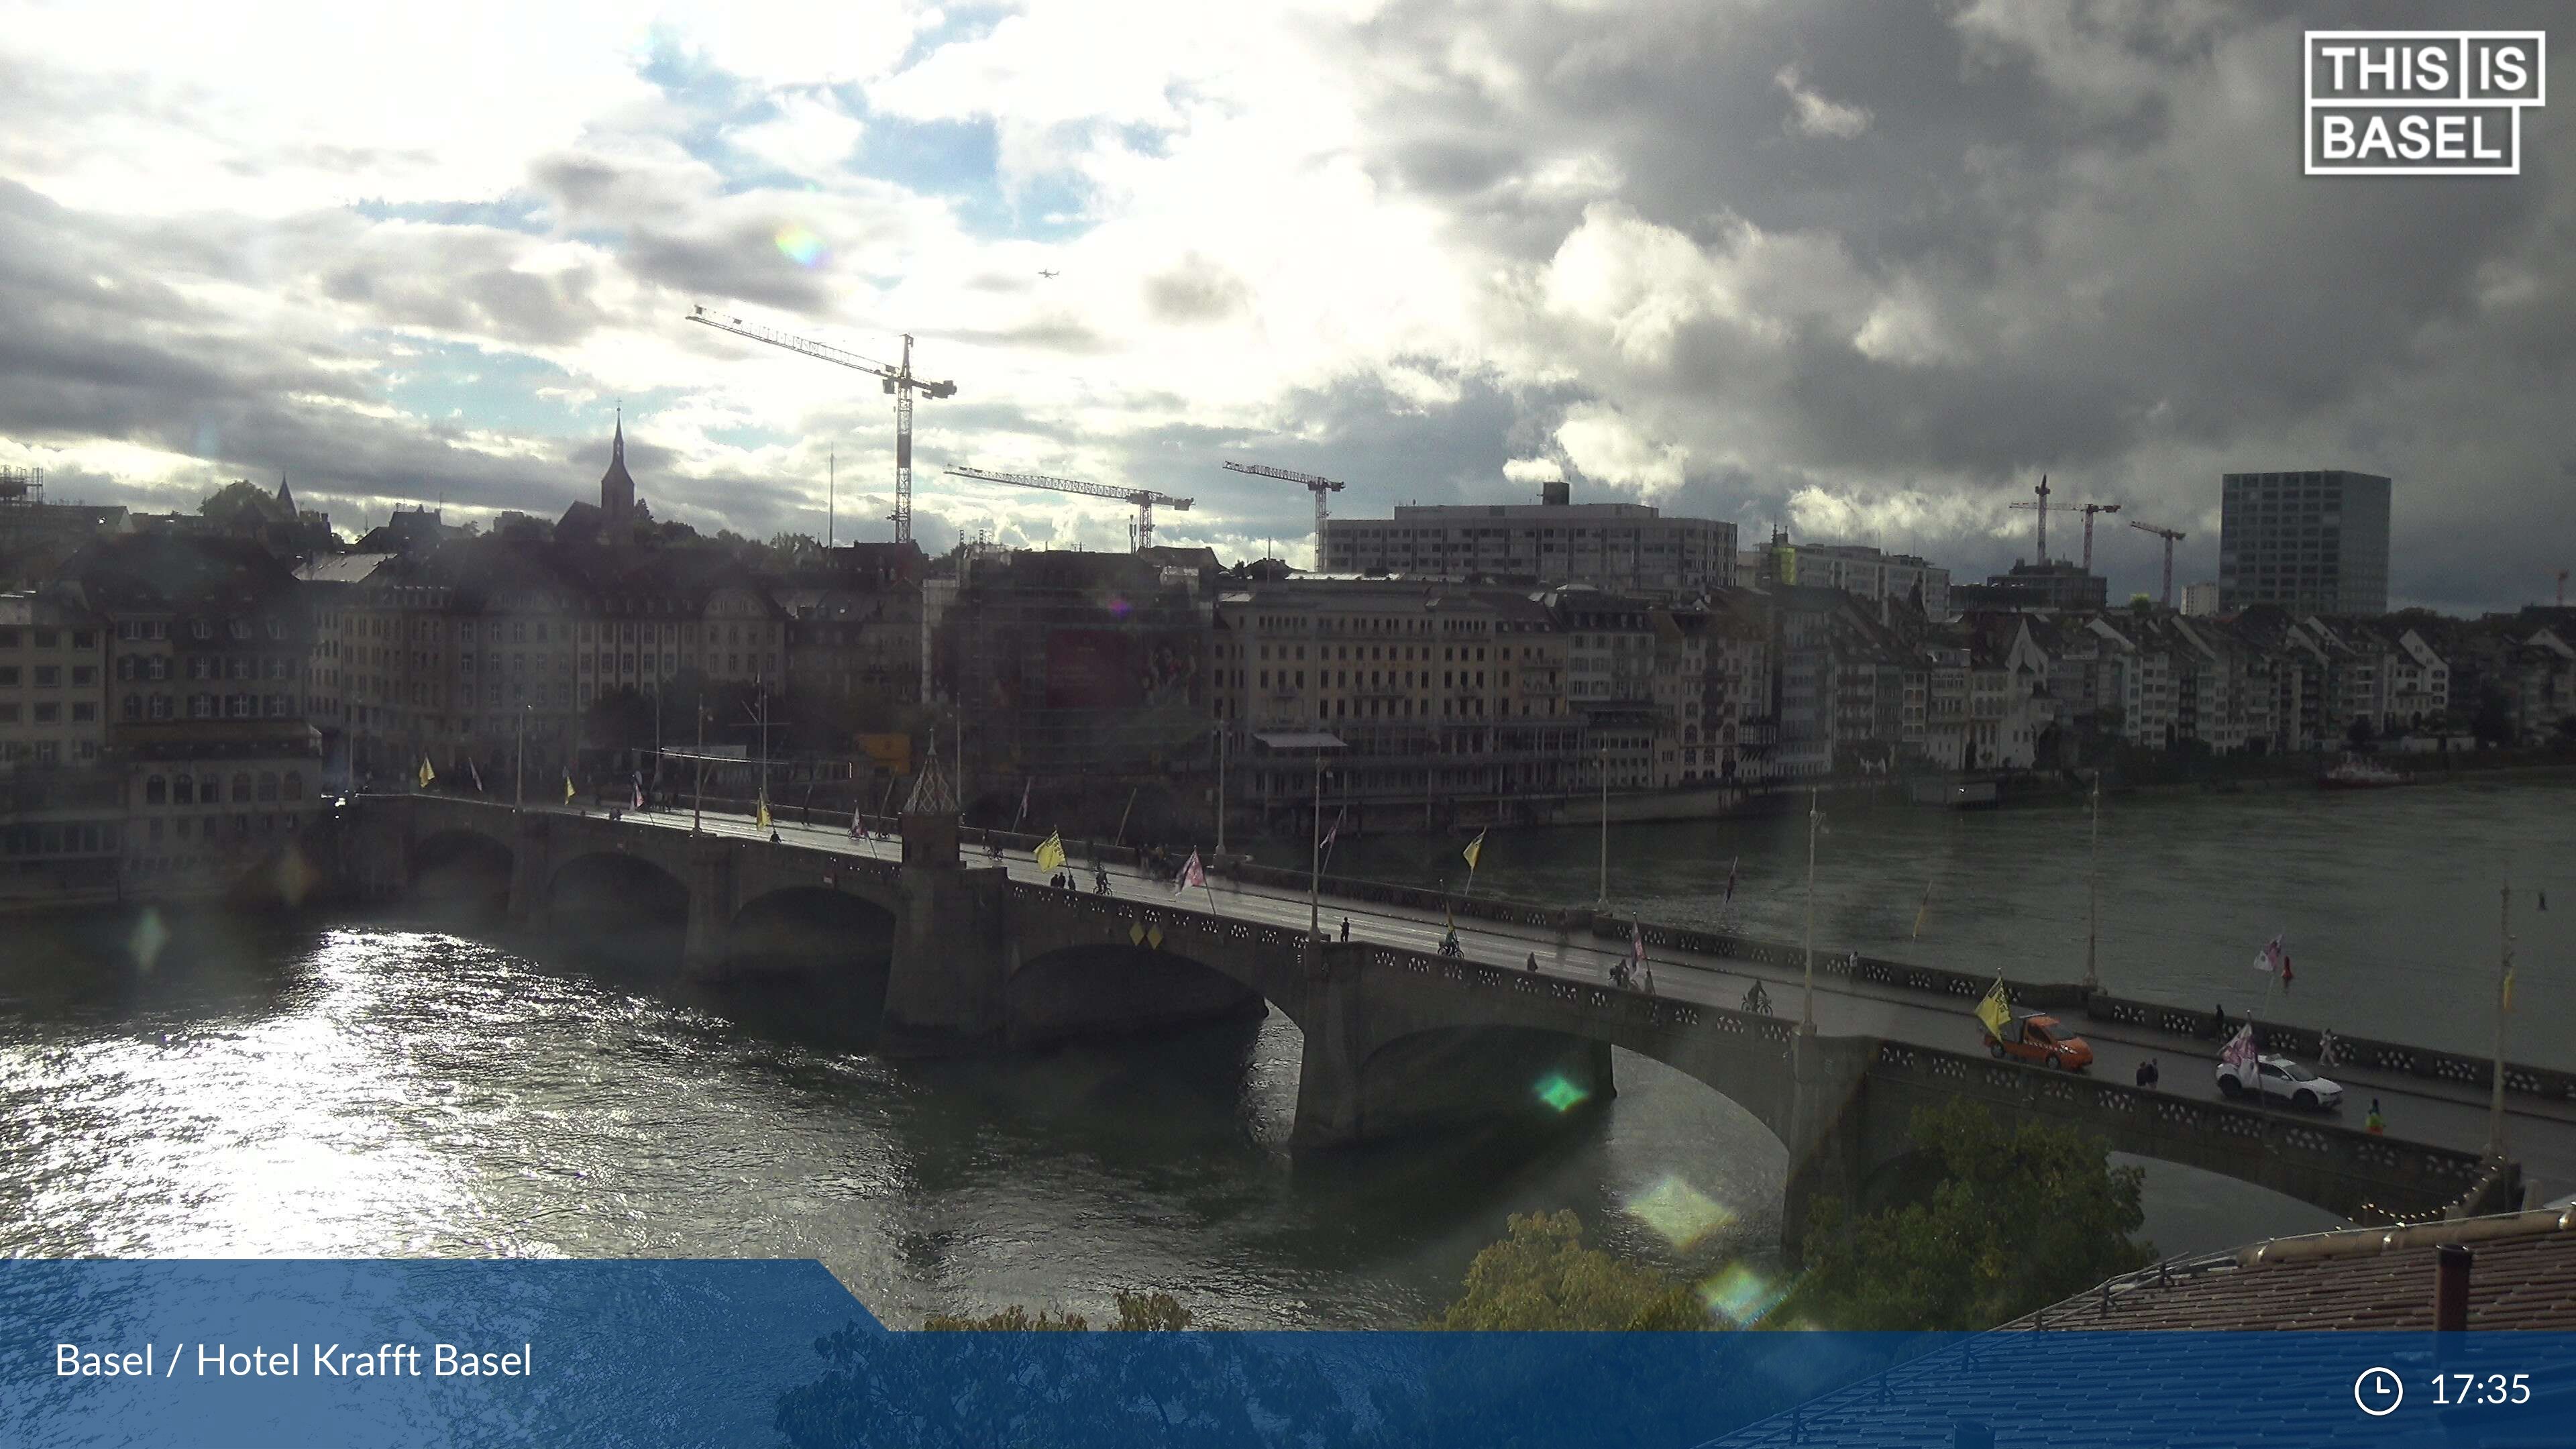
column 2041, row 1039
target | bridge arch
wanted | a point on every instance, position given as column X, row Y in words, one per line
column 460, row 871
column 620, row 909
column 811, row 931
column 1112, row 987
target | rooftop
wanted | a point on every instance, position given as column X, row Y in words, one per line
column 2353, row 1278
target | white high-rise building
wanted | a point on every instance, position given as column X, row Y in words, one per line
column 1627, row 547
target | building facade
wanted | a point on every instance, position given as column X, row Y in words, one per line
column 2314, row 542
column 1623, row 546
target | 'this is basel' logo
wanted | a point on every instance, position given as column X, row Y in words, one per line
column 2421, row 102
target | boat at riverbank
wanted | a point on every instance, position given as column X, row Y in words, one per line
column 2355, row 773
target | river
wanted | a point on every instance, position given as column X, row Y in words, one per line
column 382, row 1084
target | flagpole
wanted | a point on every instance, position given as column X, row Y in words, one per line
column 2504, row 999
column 1220, row 795
column 2093, row 897
column 1815, row 818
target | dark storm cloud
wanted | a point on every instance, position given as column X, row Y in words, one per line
column 2097, row 209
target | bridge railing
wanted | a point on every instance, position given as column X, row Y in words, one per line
column 2441, row 1175
column 2396, row 1058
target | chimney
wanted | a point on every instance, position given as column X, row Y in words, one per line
column 1556, row 494
column 2451, row 1288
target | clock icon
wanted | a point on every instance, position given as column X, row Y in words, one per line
column 2378, row 1391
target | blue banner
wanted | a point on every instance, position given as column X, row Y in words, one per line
column 779, row 1354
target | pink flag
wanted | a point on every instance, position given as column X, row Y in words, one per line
column 2239, row 1051
column 2271, row 958
column 1192, row 874
column 1636, row 944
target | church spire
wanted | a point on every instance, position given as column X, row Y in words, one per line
column 617, row 486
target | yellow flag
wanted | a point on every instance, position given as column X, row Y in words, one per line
column 567, row 787
column 426, row 773
column 1994, row 1011
column 1475, row 848
column 762, row 819
column 1051, row 852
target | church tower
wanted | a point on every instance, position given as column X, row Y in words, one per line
column 616, row 486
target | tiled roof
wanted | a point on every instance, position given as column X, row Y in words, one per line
column 2357, row 1278
column 2523, row 1277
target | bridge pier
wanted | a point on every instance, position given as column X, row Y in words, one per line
column 710, row 881
column 953, row 955
column 1829, row 1139
column 531, row 868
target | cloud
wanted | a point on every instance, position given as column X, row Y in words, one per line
column 1865, row 269
column 1812, row 115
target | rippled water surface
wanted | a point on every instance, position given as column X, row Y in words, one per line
column 365, row 1085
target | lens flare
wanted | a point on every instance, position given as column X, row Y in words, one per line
column 148, row 939
column 1741, row 1294
column 1680, row 1212
column 1119, row 608
column 801, row 246
column 1561, row 1094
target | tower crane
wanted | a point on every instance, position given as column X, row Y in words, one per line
column 2042, row 507
column 898, row 380
column 1143, row 498
column 2088, row 511
column 1318, row 486
column 2171, row 536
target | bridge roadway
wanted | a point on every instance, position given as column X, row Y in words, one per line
column 2541, row 1135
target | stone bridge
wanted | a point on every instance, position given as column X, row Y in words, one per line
column 1396, row 1042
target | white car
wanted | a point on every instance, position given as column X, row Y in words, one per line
column 2282, row 1079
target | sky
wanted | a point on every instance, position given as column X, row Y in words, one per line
column 1863, row 271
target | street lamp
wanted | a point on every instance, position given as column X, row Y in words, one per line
column 698, row 805
column 2504, row 1002
column 1315, row 842
column 1317, row 741
column 1601, row 898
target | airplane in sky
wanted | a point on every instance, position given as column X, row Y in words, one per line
column 1045, row 273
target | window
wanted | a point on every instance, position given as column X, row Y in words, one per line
column 49, row 713
column 268, row 785
column 85, row 711
column 294, row 784
column 242, row 787
column 157, row 789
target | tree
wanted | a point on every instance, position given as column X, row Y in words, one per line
column 1137, row 1313
column 1541, row 1276
column 241, row 504
column 2020, row 1217
column 2360, row 735
column 2492, row 721
column 1054, row 1383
